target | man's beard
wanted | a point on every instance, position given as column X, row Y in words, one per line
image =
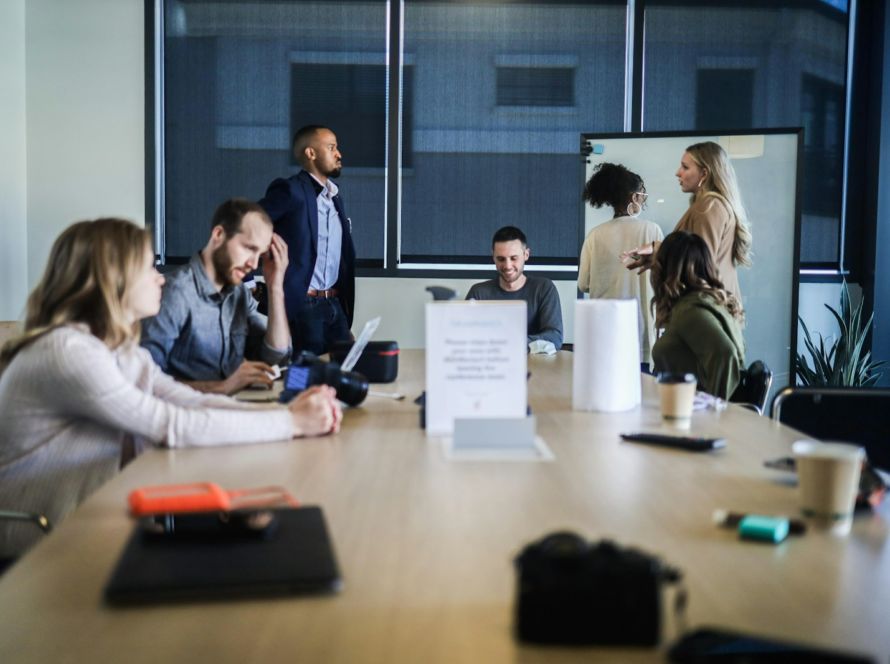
column 335, row 173
column 222, row 264
column 509, row 280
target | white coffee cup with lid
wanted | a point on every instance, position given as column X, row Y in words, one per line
column 677, row 395
column 828, row 480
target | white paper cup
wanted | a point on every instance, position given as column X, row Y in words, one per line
column 828, row 479
column 677, row 394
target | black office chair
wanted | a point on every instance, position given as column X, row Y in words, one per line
column 847, row 414
column 442, row 293
column 37, row 519
column 754, row 387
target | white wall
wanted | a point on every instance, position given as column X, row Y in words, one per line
column 84, row 76
column 13, row 162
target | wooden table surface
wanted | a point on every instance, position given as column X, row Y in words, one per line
column 426, row 545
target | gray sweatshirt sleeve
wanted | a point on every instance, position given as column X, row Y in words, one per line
column 549, row 318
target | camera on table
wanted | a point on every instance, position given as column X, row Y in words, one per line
column 307, row 370
column 571, row 591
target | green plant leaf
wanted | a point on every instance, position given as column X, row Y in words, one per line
column 846, row 362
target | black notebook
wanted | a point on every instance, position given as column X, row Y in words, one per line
column 201, row 559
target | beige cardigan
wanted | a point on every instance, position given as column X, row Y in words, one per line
column 711, row 218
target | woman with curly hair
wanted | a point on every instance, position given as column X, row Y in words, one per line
column 701, row 320
column 599, row 274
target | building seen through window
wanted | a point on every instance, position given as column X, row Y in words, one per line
column 494, row 98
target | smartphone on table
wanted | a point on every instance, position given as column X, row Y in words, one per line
column 688, row 443
column 709, row 645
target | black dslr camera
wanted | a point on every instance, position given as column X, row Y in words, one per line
column 307, row 370
column 575, row 592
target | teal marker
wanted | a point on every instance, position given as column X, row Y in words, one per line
column 763, row 528
column 727, row 519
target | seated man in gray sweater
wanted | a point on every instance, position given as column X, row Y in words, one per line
column 208, row 323
column 509, row 249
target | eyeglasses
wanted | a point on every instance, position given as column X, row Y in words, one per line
column 641, row 194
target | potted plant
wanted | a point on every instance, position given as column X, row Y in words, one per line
column 843, row 363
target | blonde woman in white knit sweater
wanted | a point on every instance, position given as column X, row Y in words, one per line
column 78, row 395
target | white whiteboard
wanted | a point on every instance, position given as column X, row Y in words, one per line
column 766, row 166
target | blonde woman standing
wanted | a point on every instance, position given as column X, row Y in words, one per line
column 79, row 397
column 715, row 213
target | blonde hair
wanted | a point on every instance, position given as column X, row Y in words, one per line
column 720, row 183
column 90, row 269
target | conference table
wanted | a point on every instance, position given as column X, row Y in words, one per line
column 426, row 544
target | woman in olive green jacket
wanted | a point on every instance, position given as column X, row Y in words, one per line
column 700, row 320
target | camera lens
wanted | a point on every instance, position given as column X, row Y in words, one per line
column 307, row 370
column 351, row 386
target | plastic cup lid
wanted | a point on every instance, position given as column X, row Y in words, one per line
column 827, row 450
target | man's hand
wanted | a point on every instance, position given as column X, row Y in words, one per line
column 316, row 411
column 640, row 258
column 249, row 373
column 275, row 263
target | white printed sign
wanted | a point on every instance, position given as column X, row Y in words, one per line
column 476, row 362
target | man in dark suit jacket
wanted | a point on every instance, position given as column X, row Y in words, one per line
column 306, row 211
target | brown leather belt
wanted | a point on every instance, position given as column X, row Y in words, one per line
column 330, row 292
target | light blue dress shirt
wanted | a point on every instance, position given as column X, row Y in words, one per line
column 330, row 239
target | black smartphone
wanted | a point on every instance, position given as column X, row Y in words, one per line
column 238, row 524
column 689, row 443
column 782, row 463
column 708, row 645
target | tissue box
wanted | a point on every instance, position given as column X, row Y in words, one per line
column 379, row 362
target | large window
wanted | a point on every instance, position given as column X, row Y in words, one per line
column 743, row 65
column 456, row 117
column 502, row 90
column 240, row 77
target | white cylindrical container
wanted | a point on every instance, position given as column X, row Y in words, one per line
column 607, row 355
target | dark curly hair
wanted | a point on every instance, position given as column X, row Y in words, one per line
column 683, row 264
column 613, row 185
